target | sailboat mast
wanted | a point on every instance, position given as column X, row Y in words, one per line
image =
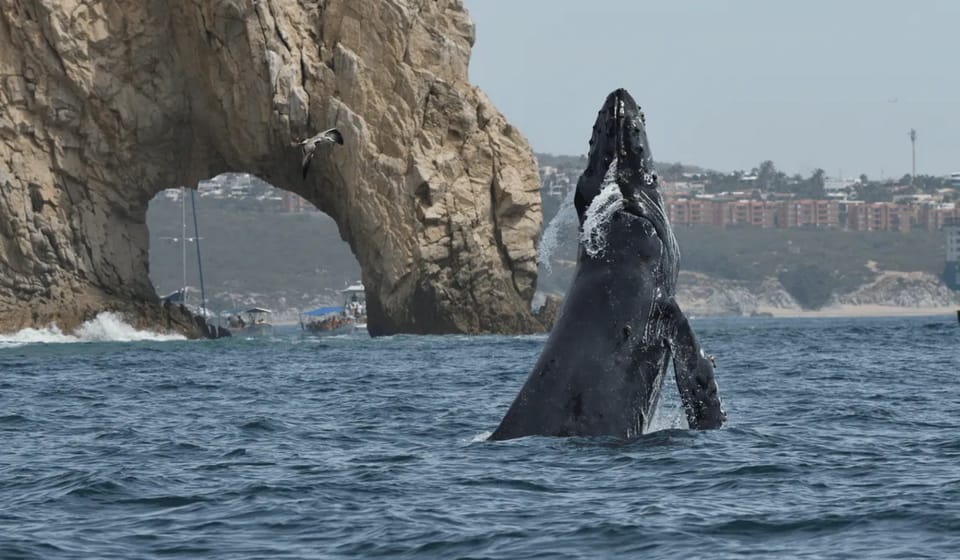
column 183, row 242
column 196, row 239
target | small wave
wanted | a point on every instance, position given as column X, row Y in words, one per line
column 222, row 466
column 105, row 327
column 538, row 337
column 508, row 484
column 97, row 489
column 15, row 419
column 262, row 424
column 759, row 470
column 165, row 502
column 749, row 526
column 238, row 452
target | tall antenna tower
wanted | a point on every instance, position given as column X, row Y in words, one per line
column 913, row 150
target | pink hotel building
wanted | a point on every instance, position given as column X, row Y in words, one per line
column 829, row 214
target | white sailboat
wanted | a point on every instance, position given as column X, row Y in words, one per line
column 182, row 295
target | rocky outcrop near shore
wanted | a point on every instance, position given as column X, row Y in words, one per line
column 103, row 104
column 902, row 289
column 701, row 295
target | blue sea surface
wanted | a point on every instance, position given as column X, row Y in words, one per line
column 843, row 441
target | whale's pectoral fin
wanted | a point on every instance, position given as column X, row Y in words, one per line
column 694, row 372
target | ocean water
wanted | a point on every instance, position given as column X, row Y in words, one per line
column 843, row 441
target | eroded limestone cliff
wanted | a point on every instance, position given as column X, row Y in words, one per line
column 105, row 103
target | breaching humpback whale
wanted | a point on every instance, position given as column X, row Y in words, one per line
column 603, row 365
column 309, row 146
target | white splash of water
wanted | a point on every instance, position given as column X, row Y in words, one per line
column 51, row 334
column 111, row 327
column 105, row 327
column 593, row 236
column 650, row 412
column 670, row 417
column 567, row 215
column 481, row 437
column 669, row 413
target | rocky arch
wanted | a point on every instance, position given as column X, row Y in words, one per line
column 104, row 104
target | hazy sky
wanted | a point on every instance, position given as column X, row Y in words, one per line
column 727, row 84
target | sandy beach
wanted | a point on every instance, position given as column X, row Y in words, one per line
column 861, row 311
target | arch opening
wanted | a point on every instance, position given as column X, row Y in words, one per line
column 260, row 247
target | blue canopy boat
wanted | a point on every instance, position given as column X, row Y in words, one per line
column 341, row 319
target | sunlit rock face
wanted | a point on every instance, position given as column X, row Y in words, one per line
column 105, row 103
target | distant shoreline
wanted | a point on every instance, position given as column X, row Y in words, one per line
column 836, row 311
column 860, row 311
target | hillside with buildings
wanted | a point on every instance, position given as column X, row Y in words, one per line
column 759, row 241
column 753, row 199
column 757, row 249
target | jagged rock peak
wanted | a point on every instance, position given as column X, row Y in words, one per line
column 104, row 104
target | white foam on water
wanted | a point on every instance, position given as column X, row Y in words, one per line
column 105, row 327
column 110, row 327
column 51, row 334
column 481, row 437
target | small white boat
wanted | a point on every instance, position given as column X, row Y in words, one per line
column 250, row 322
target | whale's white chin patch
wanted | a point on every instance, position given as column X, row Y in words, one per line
column 593, row 233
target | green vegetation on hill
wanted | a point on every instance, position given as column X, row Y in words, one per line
column 753, row 253
column 811, row 264
column 809, row 284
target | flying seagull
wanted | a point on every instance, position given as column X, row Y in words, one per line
column 309, row 146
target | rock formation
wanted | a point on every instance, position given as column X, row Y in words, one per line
column 103, row 104
column 701, row 295
column 902, row 289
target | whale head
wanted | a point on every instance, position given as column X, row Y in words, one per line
column 619, row 152
column 622, row 214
